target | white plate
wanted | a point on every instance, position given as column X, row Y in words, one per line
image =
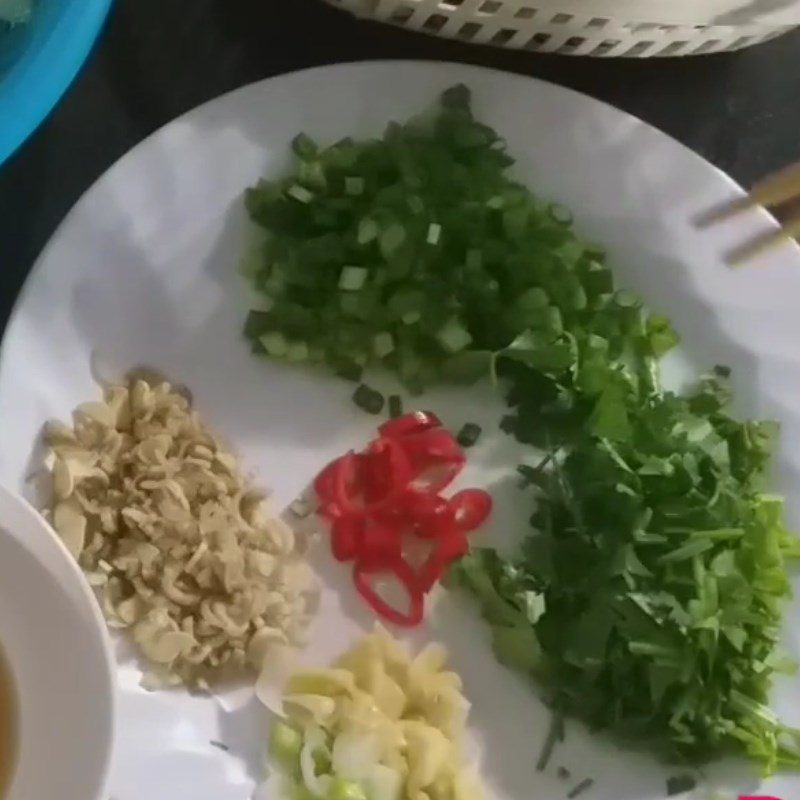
column 144, row 270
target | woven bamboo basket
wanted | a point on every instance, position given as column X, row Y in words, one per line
column 630, row 28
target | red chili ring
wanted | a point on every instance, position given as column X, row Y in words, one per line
column 405, row 574
column 347, row 535
column 379, row 546
column 385, row 474
column 413, row 422
column 435, row 457
column 446, row 550
column 427, row 513
column 471, row 508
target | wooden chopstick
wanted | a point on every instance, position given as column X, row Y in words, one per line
column 762, row 244
column 774, row 191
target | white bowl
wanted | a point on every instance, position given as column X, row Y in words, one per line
column 56, row 643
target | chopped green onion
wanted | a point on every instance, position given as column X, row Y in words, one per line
column 454, row 336
column 383, row 344
column 219, row 745
column 434, row 232
column 312, row 174
column 297, row 351
column 304, row 146
column 368, row 399
column 274, row 343
column 457, row 97
column 349, row 303
column 680, row 784
column 553, row 736
column 415, row 204
column 582, row 787
column 351, row 279
column 275, row 281
column 285, row 744
column 391, row 239
column 322, row 761
column 367, row 231
column 560, row 214
column 349, row 370
column 300, row 193
column 474, row 259
column 342, row 789
column 405, row 300
column 627, row 299
column 252, row 261
column 532, row 299
column 301, row 792
column 300, row 507
column 395, row 406
column 256, row 324
column 411, row 317
column 354, row 186
column 469, row 434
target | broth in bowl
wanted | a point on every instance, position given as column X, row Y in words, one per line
column 8, row 726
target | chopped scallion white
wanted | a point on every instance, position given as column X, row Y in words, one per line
column 367, row 231
column 300, row 193
column 351, row 279
column 274, row 343
column 454, row 337
column 383, row 344
column 354, row 186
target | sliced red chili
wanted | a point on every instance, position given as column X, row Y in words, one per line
column 380, row 545
column 376, row 499
column 413, row 422
column 386, row 473
column 437, row 477
column 345, row 486
column 324, row 483
column 471, row 508
column 363, row 577
column 329, row 511
column 435, row 444
column 327, row 484
column 427, row 514
column 446, row 549
column 347, row 534
column 436, row 459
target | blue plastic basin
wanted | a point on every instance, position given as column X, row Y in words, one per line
column 39, row 60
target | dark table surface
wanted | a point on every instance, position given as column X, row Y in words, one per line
column 159, row 58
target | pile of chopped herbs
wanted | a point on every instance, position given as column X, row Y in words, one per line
column 648, row 600
column 647, row 597
column 417, row 252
